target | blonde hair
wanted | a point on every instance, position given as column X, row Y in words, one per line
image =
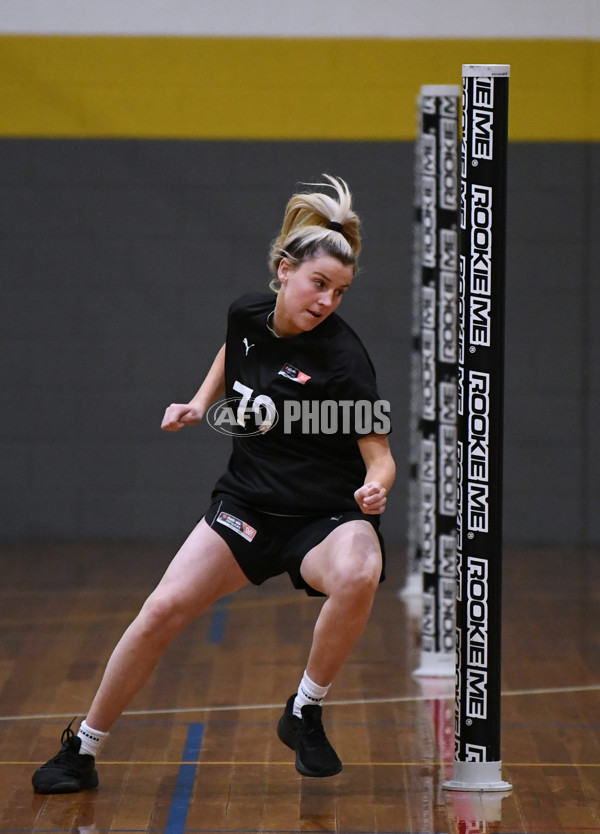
column 306, row 230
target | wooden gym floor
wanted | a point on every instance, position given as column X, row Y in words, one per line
column 197, row 752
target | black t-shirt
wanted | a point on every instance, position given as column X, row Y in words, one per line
column 296, row 408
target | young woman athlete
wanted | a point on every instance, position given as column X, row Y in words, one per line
column 303, row 492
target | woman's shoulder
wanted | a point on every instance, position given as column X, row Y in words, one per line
column 346, row 340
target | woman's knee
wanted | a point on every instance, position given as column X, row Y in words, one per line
column 347, row 564
column 360, row 578
column 359, row 573
column 162, row 617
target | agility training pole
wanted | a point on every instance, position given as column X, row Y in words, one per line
column 413, row 584
column 483, row 163
column 438, row 252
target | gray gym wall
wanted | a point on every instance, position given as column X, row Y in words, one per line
column 119, row 260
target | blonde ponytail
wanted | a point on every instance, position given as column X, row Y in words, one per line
column 317, row 223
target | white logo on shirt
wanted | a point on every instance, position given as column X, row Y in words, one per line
column 246, row 345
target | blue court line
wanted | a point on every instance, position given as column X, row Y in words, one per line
column 218, row 621
column 185, row 781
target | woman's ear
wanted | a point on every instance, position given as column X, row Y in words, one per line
column 283, row 270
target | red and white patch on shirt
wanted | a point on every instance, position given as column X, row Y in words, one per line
column 289, row 372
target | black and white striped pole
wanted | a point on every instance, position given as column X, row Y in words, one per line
column 477, row 761
column 438, row 171
column 413, row 583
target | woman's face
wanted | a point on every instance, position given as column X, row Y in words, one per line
column 309, row 293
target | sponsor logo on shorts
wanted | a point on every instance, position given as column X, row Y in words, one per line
column 237, row 525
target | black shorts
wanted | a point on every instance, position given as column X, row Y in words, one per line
column 266, row 545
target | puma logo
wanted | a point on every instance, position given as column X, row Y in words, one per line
column 246, row 345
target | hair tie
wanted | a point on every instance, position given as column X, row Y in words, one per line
column 335, row 226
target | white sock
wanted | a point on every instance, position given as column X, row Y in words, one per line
column 91, row 740
column 309, row 692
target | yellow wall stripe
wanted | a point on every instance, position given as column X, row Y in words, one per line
column 261, row 88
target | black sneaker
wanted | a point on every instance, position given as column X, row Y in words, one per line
column 314, row 754
column 69, row 771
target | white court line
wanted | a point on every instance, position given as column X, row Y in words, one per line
column 595, row 687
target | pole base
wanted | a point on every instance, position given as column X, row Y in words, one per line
column 477, row 776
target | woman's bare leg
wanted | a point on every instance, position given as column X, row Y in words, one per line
column 202, row 571
column 346, row 566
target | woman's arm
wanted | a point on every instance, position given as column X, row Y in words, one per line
column 179, row 415
column 371, row 497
